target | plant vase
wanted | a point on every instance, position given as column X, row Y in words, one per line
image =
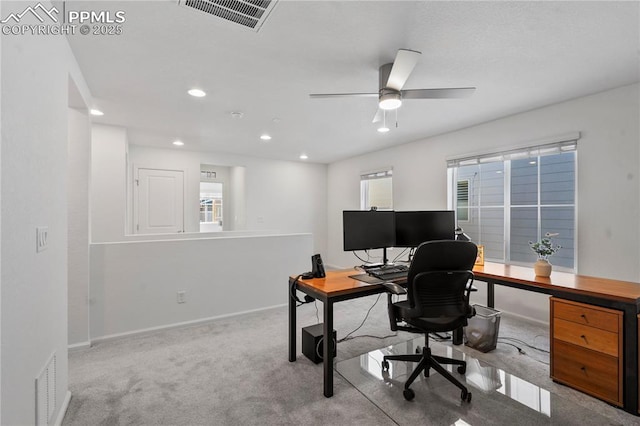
column 542, row 268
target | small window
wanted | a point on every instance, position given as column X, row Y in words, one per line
column 376, row 190
column 211, row 206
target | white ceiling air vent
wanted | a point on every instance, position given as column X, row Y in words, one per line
column 248, row 13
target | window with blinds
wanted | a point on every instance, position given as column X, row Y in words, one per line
column 504, row 200
column 376, row 190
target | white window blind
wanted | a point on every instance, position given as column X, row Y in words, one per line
column 565, row 143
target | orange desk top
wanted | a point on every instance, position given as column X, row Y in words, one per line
column 338, row 283
column 625, row 291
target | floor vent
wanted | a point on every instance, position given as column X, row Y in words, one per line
column 248, row 13
column 46, row 392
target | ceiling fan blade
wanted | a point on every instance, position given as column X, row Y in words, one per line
column 340, row 95
column 404, row 63
column 379, row 115
column 453, row 92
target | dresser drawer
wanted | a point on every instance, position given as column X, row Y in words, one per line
column 586, row 336
column 591, row 372
column 605, row 319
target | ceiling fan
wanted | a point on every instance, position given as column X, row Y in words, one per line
column 392, row 78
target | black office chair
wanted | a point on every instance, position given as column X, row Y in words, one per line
column 438, row 286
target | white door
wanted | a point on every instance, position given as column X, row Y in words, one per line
column 159, row 198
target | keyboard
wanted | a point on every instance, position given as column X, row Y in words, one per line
column 390, row 276
column 390, row 273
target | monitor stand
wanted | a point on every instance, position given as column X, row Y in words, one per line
column 385, row 260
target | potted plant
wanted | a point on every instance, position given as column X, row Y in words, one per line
column 545, row 248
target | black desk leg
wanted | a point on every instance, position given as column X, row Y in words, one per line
column 631, row 360
column 327, row 348
column 292, row 328
column 491, row 295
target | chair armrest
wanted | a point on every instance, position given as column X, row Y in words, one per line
column 394, row 288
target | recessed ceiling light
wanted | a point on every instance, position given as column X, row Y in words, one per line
column 237, row 114
column 197, row 93
column 96, row 112
column 265, row 137
column 383, row 129
column 303, row 156
column 178, row 143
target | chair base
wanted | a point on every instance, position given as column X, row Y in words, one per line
column 426, row 361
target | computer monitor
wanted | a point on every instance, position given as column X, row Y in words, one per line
column 414, row 228
column 365, row 230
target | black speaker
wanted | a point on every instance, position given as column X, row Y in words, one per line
column 312, row 344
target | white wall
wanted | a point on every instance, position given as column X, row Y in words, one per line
column 134, row 278
column 134, row 285
column 608, row 172
column 108, row 182
column 285, row 196
column 79, row 151
column 238, row 211
column 1, row 287
column 33, row 175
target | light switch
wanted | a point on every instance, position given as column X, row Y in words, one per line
column 42, row 234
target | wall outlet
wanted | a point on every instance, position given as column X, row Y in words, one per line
column 181, row 296
column 42, row 234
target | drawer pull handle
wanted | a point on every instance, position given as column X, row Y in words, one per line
column 585, row 339
column 584, row 317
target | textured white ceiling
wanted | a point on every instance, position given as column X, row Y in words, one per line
column 519, row 55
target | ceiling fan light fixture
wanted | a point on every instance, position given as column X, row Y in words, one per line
column 383, row 129
column 389, row 101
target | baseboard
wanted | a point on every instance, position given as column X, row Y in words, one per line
column 78, row 346
column 63, row 409
column 151, row 330
column 525, row 318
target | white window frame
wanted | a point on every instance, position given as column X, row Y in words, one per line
column 365, row 178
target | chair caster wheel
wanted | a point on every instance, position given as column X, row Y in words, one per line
column 409, row 394
column 385, row 365
column 462, row 369
column 465, row 396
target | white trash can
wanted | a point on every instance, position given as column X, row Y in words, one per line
column 481, row 333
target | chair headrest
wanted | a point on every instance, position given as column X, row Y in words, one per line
column 443, row 255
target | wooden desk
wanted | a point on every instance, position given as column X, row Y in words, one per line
column 601, row 292
column 622, row 296
column 335, row 287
